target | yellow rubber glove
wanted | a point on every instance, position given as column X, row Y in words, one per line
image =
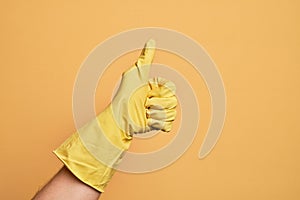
column 140, row 105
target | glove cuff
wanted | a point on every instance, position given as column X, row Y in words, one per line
column 93, row 152
column 82, row 164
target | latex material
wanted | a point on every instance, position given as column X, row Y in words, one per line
column 140, row 105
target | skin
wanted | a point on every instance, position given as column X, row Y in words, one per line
column 64, row 185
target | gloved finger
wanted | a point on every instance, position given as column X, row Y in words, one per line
column 160, row 87
column 160, row 103
column 140, row 70
column 147, row 54
column 155, row 124
column 162, row 115
column 167, row 127
column 159, row 125
column 138, row 74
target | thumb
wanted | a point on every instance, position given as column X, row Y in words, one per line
column 147, row 54
column 140, row 70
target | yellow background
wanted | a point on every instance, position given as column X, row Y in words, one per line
column 255, row 44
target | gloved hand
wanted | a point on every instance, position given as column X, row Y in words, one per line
column 140, row 105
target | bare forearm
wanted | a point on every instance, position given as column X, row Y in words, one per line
column 64, row 185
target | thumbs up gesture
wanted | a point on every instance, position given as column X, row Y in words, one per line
column 140, row 105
